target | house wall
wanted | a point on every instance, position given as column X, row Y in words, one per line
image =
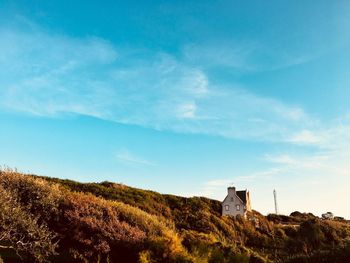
column 232, row 204
column 248, row 205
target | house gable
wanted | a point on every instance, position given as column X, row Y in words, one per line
column 236, row 202
column 228, row 196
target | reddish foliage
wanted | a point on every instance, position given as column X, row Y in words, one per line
column 94, row 226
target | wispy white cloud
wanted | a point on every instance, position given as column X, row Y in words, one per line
column 244, row 55
column 127, row 157
column 313, row 174
column 259, row 175
column 305, row 137
column 45, row 73
column 304, row 176
column 217, row 188
column 55, row 74
column 329, row 158
column 308, row 161
column 281, row 159
column 213, row 187
column 187, row 110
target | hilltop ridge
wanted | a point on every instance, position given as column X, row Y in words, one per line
column 47, row 219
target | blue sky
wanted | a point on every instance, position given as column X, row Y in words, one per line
column 182, row 97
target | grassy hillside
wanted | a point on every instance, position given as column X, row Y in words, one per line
column 47, row 219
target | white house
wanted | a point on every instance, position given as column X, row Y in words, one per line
column 236, row 203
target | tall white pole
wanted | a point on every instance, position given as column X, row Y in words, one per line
column 275, row 197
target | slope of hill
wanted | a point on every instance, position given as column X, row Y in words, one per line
column 53, row 220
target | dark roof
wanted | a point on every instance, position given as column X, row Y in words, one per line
column 242, row 195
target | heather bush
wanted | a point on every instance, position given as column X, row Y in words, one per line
column 312, row 235
column 145, row 257
column 162, row 239
column 22, row 231
column 36, row 195
column 152, row 225
column 150, row 202
column 93, row 228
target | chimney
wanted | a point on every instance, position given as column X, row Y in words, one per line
column 231, row 189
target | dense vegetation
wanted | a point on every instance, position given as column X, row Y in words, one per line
column 53, row 220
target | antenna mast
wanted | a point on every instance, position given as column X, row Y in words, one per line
column 275, row 198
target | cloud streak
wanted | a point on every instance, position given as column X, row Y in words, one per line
column 129, row 158
column 314, row 174
column 305, row 137
column 47, row 74
column 217, row 188
column 245, row 56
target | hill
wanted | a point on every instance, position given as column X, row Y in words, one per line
column 46, row 219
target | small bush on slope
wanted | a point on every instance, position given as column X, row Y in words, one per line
column 22, row 232
column 94, row 227
column 36, row 195
column 163, row 242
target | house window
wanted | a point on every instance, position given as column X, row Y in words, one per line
column 227, row 208
column 238, row 207
column 231, row 199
